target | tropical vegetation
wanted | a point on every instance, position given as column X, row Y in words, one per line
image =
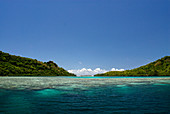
column 11, row 65
column 160, row 67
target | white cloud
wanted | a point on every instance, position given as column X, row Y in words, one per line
column 85, row 71
column 113, row 69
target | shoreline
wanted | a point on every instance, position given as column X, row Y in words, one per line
column 92, row 76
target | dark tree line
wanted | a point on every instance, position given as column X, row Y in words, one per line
column 160, row 67
column 11, row 65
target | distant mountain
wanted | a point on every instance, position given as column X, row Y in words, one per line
column 160, row 67
column 11, row 65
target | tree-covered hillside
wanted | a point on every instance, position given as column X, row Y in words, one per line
column 11, row 65
column 160, row 67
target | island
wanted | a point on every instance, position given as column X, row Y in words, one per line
column 11, row 65
column 160, row 67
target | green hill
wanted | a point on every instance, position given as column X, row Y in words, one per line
column 160, row 67
column 11, row 65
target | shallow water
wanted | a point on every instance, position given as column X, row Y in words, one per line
column 90, row 95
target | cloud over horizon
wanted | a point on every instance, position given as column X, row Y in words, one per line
column 89, row 71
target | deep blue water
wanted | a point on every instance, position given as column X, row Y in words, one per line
column 93, row 96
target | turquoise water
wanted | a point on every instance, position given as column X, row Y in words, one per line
column 84, row 95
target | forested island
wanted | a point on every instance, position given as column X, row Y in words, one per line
column 160, row 67
column 11, row 65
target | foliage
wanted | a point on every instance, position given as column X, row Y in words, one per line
column 11, row 65
column 160, row 67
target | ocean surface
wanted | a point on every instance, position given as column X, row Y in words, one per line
column 89, row 95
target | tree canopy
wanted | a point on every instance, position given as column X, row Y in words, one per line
column 160, row 67
column 11, row 65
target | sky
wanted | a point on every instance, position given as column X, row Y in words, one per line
column 87, row 36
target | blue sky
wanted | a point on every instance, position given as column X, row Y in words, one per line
column 77, row 34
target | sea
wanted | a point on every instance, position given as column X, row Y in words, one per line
column 84, row 95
